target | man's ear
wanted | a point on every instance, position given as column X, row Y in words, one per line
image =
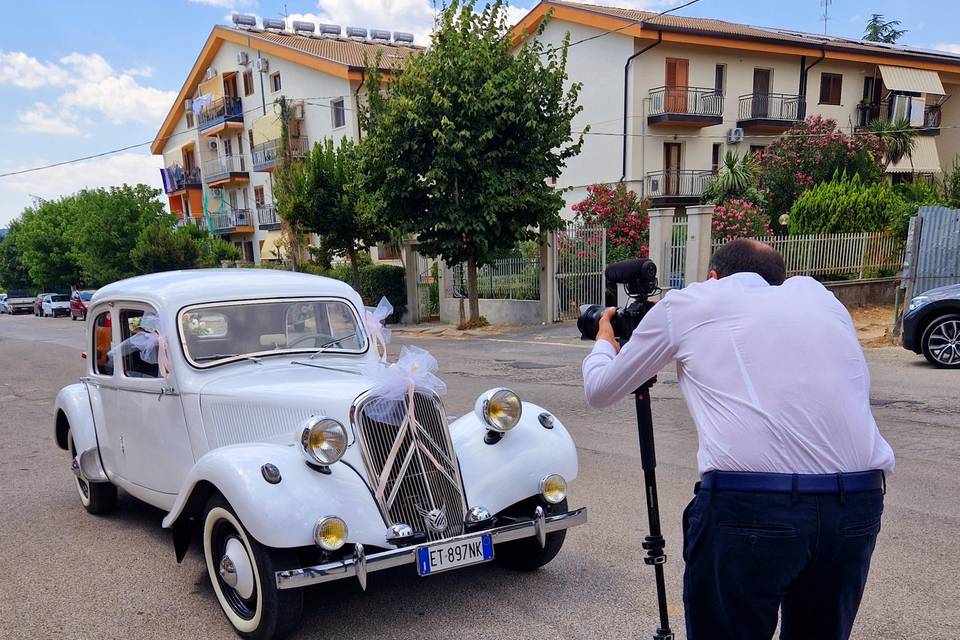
column 712, row 275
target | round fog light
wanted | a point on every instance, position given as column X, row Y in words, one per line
column 330, row 533
column 553, row 488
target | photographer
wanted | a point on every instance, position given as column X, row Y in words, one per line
column 787, row 510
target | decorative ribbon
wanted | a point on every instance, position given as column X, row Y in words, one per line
column 375, row 319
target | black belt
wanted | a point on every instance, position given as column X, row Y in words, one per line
column 825, row 483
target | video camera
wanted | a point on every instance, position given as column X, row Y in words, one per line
column 639, row 277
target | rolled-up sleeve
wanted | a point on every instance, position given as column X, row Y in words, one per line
column 609, row 376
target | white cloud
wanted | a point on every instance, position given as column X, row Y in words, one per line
column 145, row 71
column 16, row 191
column 90, row 85
column 24, row 71
column 515, row 14
column 948, row 47
column 43, row 119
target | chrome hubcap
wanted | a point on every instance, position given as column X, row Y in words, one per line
column 944, row 343
column 228, row 571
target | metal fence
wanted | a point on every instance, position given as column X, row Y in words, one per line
column 937, row 262
column 845, row 255
column 428, row 287
column 580, row 256
column 509, row 278
column 677, row 252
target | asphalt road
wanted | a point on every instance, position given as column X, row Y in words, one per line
column 66, row 574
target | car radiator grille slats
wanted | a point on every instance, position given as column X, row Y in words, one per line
column 413, row 469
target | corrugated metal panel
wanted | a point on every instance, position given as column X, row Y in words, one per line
column 923, row 159
column 904, row 79
column 938, row 260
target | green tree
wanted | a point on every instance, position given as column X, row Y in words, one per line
column 461, row 144
column 333, row 208
column 44, row 242
column 13, row 274
column 897, row 139
column 880, row 30
column 160, row 247
column 290, row 189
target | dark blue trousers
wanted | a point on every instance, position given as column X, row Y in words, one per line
column 750, row 556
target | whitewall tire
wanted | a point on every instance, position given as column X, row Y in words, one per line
column 241, row 571
column 98, row 498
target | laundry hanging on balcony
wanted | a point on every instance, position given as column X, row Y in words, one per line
column 169, row 184
column 200, row 102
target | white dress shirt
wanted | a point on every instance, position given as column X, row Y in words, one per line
column 774, row 377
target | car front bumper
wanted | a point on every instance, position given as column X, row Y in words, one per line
column 361, row 564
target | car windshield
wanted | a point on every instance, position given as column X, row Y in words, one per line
column 220, row 333
column 59, row 298
column 86, row 295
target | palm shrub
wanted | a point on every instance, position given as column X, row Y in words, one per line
column 738, row 179
column 849, row 205
column 897, row 139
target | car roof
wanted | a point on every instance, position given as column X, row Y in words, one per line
column 178, row 289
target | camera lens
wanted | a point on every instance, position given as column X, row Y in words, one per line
column 588, row 322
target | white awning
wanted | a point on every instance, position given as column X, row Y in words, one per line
column 924, row 158
column 918, row 80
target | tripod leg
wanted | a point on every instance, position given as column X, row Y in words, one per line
column 652, row 543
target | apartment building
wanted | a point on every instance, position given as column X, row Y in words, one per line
column 666, row 96
column 221, row 137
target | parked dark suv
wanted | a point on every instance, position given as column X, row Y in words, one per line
column 931, row 326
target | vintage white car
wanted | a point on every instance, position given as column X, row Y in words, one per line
column 245, row 404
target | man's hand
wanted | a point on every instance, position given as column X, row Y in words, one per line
column 605, row 331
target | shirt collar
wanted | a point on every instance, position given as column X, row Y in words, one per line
column 748, row 279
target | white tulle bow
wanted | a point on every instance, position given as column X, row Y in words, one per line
column 375, row 320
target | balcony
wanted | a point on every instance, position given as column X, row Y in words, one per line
column 677, row 186
column 685, row 106
column 770, row 112
column 265, row 156
column 927, row 125
column 190, row 221
column 176, row 179
column 224, row 113
column 221, row 171
column 232, row 221
column 267, row 218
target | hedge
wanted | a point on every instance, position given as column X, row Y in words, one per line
column 848, row 205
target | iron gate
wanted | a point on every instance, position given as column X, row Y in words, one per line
column 579, row 256
column 428, row 288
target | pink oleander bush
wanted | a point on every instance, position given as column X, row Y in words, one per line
column 738, row 218
column 622, row 213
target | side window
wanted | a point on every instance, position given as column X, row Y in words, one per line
column 139, row 345
column 102, row 344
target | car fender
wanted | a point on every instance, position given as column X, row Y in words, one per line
column 279, row 515
column 498, row 475
column 72, row 413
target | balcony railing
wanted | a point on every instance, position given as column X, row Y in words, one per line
column 868, row 112
column 771, row 106
column 178, row 178
column 265, row 155
column 681, row 183
column 267, row 216
column 227, row 221
column 189, row 221
column 689, row 101
column 227, row 109
column 222, row 168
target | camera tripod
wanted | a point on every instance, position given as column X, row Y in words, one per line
column 653, row 543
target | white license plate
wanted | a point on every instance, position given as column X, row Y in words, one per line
column 439, row 557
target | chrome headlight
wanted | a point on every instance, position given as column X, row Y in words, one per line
column 323, row 440
column 499, row 408
column 918, row 302
column 553, row 488
column 330, row 533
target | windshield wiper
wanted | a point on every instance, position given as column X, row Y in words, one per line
column 326, row 345
column 224, row 356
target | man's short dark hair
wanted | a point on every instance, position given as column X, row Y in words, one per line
column 749, row 256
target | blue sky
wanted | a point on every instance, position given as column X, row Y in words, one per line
column 78, row 79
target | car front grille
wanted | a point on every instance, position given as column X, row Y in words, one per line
column 412, row 469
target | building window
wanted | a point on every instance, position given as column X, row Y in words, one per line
column 250, row 138
column 227, row 147
column 756, row 151
column 248, row 83
column 189, row 119
column 338, row 112
column 720, row 78
column 715, row 157
column 831, row 85
column 103, row 345
column 258, row 196
column 275, row 82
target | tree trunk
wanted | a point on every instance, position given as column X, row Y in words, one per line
column 355, row 266
column 472, row 290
